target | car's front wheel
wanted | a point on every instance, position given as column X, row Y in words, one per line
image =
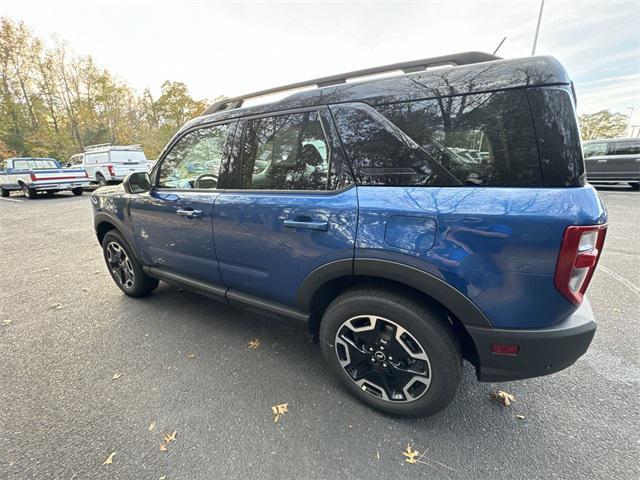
column 125, row 270
column 77, row 191
column 4, row 193
column 394, row 352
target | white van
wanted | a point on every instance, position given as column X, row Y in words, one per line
column 106, row 163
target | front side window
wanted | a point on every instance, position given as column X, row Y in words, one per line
column 195, row 160
column 594, row 150
column 627, row 148
column 286, row 152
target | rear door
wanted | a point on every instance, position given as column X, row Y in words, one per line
column 624, row 162
column 293, row 208
column 173, row 221
column 595, row 159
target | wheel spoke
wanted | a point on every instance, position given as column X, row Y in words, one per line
column 120, row 265
column 383, row 358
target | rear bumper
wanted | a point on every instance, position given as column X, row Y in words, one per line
column 61, row 186
column 542, row 351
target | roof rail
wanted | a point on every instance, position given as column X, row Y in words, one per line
column 96, row 146
column 464, row 58
column 136, row 146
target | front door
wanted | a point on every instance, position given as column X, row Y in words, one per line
column 292, row 212
column 595, row 160
column 173, row 221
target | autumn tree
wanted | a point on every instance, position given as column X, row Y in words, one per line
column 54, row 103
column 602, row 124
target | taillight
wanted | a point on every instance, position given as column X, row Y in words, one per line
column 112, row 171
column 33, row 177
column 579, row 253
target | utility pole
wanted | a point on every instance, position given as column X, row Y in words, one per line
column 535, row 39
column 629, row 121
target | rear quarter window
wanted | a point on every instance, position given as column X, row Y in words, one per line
column 626, row 148
column 476, row 140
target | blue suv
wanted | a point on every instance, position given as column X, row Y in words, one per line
column 407, row 222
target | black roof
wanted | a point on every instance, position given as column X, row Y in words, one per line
column 479, row 77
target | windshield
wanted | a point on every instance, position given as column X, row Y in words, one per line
column 127, row 156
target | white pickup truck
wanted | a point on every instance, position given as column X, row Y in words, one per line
column 106, row 163
column 33, row 175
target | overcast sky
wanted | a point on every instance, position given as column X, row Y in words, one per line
column 232, row 48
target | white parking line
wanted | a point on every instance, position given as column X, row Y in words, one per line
column 11, row 200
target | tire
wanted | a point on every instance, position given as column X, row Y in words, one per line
column 77, row 191
column 126, row 272
column 28, row 192
column 635, row 185
column 4, row 193
column 425, row 335
column 102, row 182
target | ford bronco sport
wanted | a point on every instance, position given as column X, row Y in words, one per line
column 408, row 222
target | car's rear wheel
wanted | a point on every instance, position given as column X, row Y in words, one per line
column 4, row 193
column 125, row 270
column 101, row 180
column 28, row 192
column 394, row 352
column 635, row 185
column 77, row 191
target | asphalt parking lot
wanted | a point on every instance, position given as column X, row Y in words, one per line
column 182, row 364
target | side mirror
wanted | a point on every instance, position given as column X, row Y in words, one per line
column 137, row 182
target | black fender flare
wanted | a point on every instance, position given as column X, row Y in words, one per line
column 102, row 217
column 451, row 298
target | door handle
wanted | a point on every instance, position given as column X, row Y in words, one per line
column 308, row 224
column 189, row 213
column 602, row 161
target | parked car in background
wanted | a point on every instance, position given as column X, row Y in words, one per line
column 348, row 209
column 106, row 163
column 40, row 175
column 613, row 161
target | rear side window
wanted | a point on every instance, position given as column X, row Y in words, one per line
column 626, row 148
column 286, row 152
column 97, row 158
column 477, row 140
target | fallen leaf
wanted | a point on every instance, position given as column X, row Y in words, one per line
column 503, row 398
column 279, row 411
column 414, row 457
column 163, row 447
column 109, row 459
column 520, row 417
column 162, row 478
column 617, row 310
column 85, row 289
column 378, row 455
column 45, row 269
column 170, row 438
column 116, row 376
column 253, row 344
column 56, row 306
column 7, row 322
column 411, row 454
column 152, row 426
column 191, row 355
